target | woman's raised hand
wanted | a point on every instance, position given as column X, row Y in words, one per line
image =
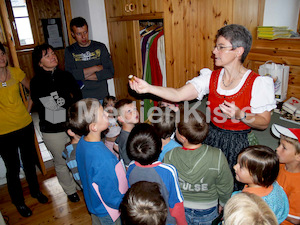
column 139, row 85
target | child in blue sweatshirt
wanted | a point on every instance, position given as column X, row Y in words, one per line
column 102, row 175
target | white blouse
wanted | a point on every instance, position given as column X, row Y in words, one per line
column 262, row 86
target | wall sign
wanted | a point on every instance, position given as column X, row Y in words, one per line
column 53, row 32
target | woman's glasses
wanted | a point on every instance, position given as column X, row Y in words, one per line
column 221, row 47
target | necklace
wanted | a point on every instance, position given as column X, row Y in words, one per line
column 228, row 85
column 4, row 82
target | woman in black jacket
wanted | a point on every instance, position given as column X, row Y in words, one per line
column 53, row 91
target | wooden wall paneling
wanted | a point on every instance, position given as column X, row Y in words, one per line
column 178, row 45
column 148, row 6
column 169, row 51
column 277, row 56
column 212, row 16
column 190, row 36
column 246, row 13
column 114, row 8
column 25, row 59
column 44, row 10
column 123, row 54
column 294, row 82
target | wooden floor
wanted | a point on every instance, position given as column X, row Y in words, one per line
column 57, row 211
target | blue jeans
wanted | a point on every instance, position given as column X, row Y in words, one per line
column 201, row 216
column 106, row 220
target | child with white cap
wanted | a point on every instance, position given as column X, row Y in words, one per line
column 289, row 173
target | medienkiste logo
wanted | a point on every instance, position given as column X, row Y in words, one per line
column 54, row 113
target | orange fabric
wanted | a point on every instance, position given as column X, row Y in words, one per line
column 290, row 182
column 242, row 99
column 260, row 191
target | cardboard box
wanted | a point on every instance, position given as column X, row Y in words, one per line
column 55, row 116
column 53, row 112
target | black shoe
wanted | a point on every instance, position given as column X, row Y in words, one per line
column 24, row 210
column 74, row 197
column 40, row 197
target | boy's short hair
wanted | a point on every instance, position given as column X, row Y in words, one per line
column 143, row 144
column 248, row 208
column 81, row 114
column 291, row 141
column 107, row 99
column 78, row 22
column 163, row 122
column 195, row 129
column 143, row 204
column 262, row 163
column 119, row 104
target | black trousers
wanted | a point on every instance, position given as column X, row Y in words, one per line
column 9, row 144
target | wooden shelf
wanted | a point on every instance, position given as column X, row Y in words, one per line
column 149, row 16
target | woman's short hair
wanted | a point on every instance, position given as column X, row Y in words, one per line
column 193, row 126
column 38, row 53
column 143, row 144
column 247, row 208
column 238, row 36
column 262, row 163
column 143, row 204
column 81, row 114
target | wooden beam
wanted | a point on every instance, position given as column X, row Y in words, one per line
column 68, row 16
column 8, row 33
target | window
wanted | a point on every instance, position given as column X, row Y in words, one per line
column 23, row 33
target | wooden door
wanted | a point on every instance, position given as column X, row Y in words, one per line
column 115, row 8
column 125, row 53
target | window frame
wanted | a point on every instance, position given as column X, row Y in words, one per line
column 32, row 20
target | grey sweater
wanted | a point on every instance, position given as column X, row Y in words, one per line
column 78, row 58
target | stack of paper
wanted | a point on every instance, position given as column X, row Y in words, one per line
column 292, row 106
column 291, row 110
column 272, row 33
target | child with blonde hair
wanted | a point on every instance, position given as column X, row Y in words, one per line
column 257, row 167
column 246, row 208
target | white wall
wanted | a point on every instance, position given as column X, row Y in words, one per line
column 94, row 13
column 282, row 13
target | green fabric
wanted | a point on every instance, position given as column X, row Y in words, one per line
column 252, row 139
column 204, row 174
column 148, row 103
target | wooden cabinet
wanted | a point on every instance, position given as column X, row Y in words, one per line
column 125, row 53
column 116, row 8
column 190, row 27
